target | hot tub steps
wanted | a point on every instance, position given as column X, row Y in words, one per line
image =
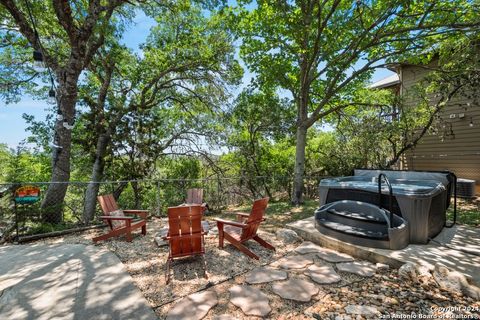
column 363, row 224
column 354, row 231
column 361, row 216
column 358, row 219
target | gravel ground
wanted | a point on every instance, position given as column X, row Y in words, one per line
column 385, row 291
column 145, row 261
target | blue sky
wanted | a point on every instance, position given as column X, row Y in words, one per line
column 12, row 125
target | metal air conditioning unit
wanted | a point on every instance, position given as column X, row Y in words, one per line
column 465, row 188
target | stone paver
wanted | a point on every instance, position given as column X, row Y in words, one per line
column 361, row 310
column 308, row 247
column 334, row 256
column 265, row 274
column 159, row 237
column 287, row 236
column 408, row 271
column 194, row 306
column 382, row 266
column 322, row 274
column 224, row 317
column 364, row 269
column 459, row 236
column 295, row 289
column 213, row 231
column 293, row 262
column 454, row 281
column 251, row 300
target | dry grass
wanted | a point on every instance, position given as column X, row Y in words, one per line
column 278, row 214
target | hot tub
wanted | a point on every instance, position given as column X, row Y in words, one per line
column 420, row 197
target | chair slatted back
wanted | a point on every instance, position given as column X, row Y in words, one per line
column 107, row 203
column 195, row 196
column 255, row 218
column 185, row 226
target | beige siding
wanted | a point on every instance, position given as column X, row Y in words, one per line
column 459, row 153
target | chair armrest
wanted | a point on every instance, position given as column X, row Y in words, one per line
column 232, row 223
column 240, row 215
column 116, row 218
column 141, row 213
column 243, row 214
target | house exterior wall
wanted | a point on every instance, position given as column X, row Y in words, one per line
column 459, row 153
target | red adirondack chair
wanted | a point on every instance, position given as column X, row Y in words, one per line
column 185, row 234
column 116, row 219
column 238, row 232
column 195, row 196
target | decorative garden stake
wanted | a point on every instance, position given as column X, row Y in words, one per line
column 25, row 195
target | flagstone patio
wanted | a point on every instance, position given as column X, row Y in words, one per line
column 460, row 250
column 301, row 280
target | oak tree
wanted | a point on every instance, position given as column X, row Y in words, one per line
column 319, row 52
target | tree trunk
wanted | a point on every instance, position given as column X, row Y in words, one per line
column 119, row 189
column 251, row 187
column 82, row 49
column 97, row 175
column 136, row 194
column 302, row 101
column 52, row 205
column 297, row 197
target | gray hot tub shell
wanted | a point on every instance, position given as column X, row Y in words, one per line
column 421, row 198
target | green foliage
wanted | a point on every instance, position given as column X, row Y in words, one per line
column 328, row 155
column 181, row 168
column 162, row 101
column 5, row 157
column 468, row 212
column 57, row 38
column 16, row 71
column 326, row 50
column 396, row 124
column 158, row 107
column 323, row 52
column 257, row 134
column 23, row 165
column 186, row 170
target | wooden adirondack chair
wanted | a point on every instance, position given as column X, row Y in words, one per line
column 120, row 224
column 195, row 196
column 185, row 234
column 238, row 232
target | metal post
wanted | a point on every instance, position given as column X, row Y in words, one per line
column 218, row 190
column 157, row 198
column 16, row 216
column 390, row 200
column 454, row 202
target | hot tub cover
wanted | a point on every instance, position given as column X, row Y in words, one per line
column 417, row 188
